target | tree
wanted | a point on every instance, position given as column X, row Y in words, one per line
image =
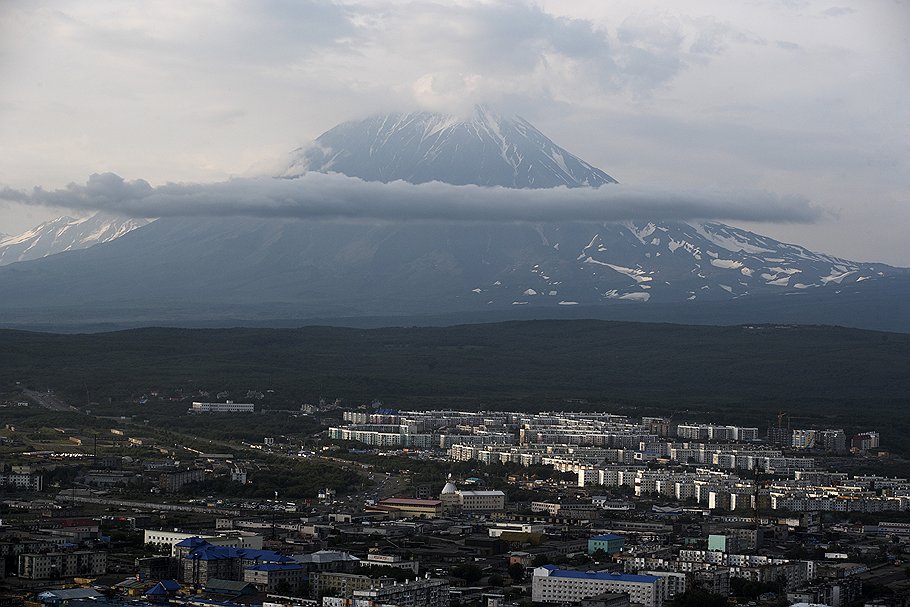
column 495, row 580
column 698, row 597
column 469, row 572
column 517, row 572
column 282, row 587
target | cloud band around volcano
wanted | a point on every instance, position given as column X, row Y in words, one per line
column 334, row 196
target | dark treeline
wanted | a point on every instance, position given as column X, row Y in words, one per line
column 838, row 375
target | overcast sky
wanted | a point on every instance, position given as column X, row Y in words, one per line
column 806, row 100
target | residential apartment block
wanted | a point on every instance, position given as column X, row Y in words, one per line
column 553, row 585
column 55, row 565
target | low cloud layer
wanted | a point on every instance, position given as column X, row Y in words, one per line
column 334, row 196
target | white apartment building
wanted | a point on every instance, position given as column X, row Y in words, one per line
column 28, row 482
column 482, row 500
column 62, row 564
column 225, row 407
column 553, row 585
column 703, row 432
column 237, row 539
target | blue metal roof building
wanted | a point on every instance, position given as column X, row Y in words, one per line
column 550, row 584
column 600, row 575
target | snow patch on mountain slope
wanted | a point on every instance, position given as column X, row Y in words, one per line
column 729, row 264
column 731, row 239
column 65, row 234
column 837, row 277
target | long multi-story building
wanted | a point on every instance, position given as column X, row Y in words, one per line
column 52, row 565
column 865, row 441
column 832, row 440
column 808, row 502
column 234, row 539
column 472, row 501
column 22, row 481
column 268, row 577
column 342, row 585
column 201, row 561
column 416, row 593
column 553, row 585
column 408, row 507
column 755, row 567
column 711, row 432
column 404, row 435
column 170, row 482
column 225, row 407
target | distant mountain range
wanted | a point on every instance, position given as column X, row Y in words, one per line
column 65, row 234
column 238, row 270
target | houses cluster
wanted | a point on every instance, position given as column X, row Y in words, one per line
column 593, row 509
column 721, row 467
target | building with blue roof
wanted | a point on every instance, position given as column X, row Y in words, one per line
column 163, row 590
column 191, row 542
column 204, row 561
column 170, row 585
column 609, row 543
column 156, row 591
column 550, row 584
column 177, row 540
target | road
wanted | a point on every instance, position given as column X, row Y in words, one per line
column 887, row 575
column 385, row 485
column 48, row 400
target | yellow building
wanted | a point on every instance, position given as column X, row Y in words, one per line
column 409, row 507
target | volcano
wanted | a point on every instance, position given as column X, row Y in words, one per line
column 240, row 270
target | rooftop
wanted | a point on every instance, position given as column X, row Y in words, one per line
column 608, row 537
column 324, row 556
column 209, row 552
column 409, row 501
column 554, row 571
column 70, row 593
column 275, row 567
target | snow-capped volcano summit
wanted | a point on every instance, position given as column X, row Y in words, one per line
column 486, row 149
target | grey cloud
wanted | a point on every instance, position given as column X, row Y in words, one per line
column 775, row 147
column 504, row 40
column 265, row 33
column 837, row 11
column 334, row 196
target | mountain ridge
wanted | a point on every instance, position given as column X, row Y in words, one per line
column 64, row 234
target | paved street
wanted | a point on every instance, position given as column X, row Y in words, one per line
column 47, row 400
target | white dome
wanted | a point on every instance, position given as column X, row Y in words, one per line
column 449, row 488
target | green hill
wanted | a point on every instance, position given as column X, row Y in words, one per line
column 845, row 376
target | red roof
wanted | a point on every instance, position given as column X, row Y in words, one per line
column 408, row 501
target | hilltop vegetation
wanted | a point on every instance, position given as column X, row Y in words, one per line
column 846, row 376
